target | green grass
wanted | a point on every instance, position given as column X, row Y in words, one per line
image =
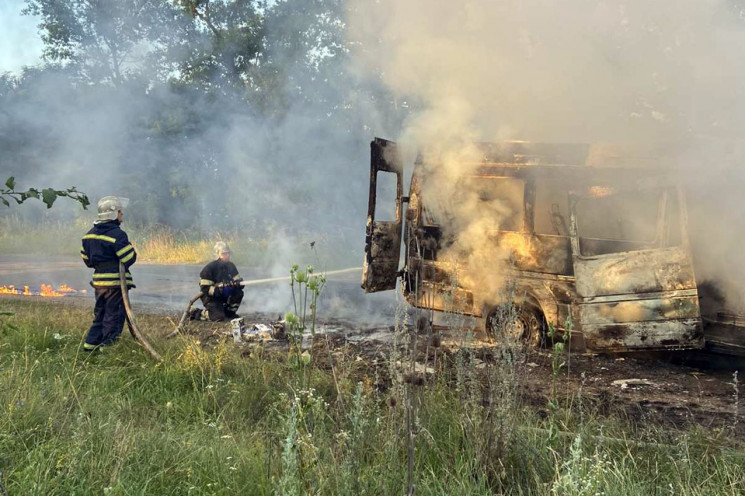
column 162, row 244
column 210, row 421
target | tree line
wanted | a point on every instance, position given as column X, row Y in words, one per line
column 184, row 96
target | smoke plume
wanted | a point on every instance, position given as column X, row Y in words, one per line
column 586, row 71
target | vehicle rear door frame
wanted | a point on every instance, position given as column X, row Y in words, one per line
column 383, row 237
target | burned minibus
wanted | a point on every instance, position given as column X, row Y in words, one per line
column 579, row 234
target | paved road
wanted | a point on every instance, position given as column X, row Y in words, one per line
column 169, row 287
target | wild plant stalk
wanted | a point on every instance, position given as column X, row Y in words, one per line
column 496, row 425
column 396, row 433
column 305, row 281
column 290, row 480
column 302, row 282
column 410, row 406
column 358, row 422
column 736, row 401
column 557, row 364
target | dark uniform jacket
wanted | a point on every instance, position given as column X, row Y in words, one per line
column 104, row 247
column 217, row 271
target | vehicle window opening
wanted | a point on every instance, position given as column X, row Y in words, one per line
column 615, row 223
column 551, row 211
column 385, row 197
column 497, row 202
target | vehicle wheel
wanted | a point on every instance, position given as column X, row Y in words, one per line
column 528, row 326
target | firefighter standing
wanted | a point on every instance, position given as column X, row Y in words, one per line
column 104, row 246
column 221, row 287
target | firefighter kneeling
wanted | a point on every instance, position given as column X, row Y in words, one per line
column 222, row 291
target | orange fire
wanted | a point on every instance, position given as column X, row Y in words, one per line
column 520, row 248
column 47, row 290
column 600, row 191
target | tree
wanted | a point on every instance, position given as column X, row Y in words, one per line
column 47, row 195
column 225, row 44
column 107, row 41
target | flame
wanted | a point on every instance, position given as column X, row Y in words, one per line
column 47, row 290
column 600, row 191
column 520, row 247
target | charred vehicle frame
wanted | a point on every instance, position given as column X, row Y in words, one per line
column 568, row 251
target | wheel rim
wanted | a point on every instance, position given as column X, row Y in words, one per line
column 526, row 327
column 516, row 330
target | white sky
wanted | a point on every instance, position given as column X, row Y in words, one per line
column 20, row 44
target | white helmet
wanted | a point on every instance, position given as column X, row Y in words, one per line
column 221, row 247
column 108, row 206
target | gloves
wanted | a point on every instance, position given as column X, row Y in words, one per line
column 222, row 289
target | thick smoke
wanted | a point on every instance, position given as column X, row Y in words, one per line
column 212, row 161
column 486, row 70
column 582, row 71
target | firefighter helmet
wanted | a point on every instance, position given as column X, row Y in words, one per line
column 108, row 206
column 221, row 247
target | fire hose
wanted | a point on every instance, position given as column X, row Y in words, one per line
column 184, row 317
column 131, row 322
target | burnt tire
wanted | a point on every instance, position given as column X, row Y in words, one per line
column 528, row 327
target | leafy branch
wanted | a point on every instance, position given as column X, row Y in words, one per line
column 47, row 195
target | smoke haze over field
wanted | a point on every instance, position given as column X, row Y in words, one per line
column 284, row 151
column 666, row 72
column 281, row 153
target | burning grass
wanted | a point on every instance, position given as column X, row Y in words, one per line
column 46, row 290
column 211, row 421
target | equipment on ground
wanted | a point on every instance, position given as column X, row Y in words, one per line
column 277, row 334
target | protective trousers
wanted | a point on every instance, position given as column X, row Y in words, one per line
column 219, row 308
column 108, row 318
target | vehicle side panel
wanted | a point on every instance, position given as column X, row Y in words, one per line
column 668, row 269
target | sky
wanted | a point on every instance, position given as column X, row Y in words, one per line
column 20, row 44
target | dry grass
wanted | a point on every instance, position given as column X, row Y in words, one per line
column 213, row 421
column 166, row 245
column 162, row 245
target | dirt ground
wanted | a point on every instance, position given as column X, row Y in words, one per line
column 673, row 390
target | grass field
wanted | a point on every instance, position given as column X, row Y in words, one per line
column 211, row 421
column 162, row 244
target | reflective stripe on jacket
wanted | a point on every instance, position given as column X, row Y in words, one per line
column 104, row 247
column 215, row 272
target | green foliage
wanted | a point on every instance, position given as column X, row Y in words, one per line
column 235, row 30
column 306, row 288
column 178, row 77
column 103, row 40
column 559, row 352
column 210, row 421
column 47, row 195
